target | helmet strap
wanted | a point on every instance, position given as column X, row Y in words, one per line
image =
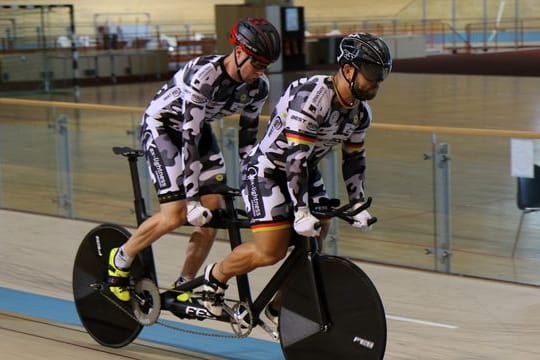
column 239, row 65
column 351, row 88
column 351, row 84
column 340, row 98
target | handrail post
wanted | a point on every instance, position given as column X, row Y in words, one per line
column 63, row 160
column 330, row 167
column 442, row 206
column 1, row 184
column 230, row 151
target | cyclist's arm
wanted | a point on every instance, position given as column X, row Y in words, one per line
column 249, row 119
column 302, row 125
column 300, row 144
column 354, row 159
column 193, row 108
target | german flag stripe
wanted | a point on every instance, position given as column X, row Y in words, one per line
column 300, row 139
column 354, row 146
column 271, row 226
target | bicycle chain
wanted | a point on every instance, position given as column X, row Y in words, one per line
column 187, row 331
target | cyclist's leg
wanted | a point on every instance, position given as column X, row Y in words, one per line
column 200, row 242
column 274, row 306
column 163, row 155
column 170, row 216
column 212, row 174
column 267, row 205
column 267, row 200
column 267, row 248
column 316, row 190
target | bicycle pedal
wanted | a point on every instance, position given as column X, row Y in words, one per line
column 269, row 330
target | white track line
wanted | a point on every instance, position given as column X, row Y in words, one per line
column 428, row 323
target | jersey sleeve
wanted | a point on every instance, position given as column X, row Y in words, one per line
column 306, row 112
column 249, row 119
column 195, row 97
column 354, row 157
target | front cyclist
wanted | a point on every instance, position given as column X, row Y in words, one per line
column 181, row 150
column 280, row 176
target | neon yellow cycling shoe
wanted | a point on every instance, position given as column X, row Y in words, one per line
column 184, row 296
column 118, row 280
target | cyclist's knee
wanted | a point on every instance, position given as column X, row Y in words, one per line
column 211, row 201
column 205, row 234
column 267, row 258
column 170, row 223
column 173, row 213
column 172, row 216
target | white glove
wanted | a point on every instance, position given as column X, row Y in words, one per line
column 361, row 219
column 306, row 224
column 197, row 214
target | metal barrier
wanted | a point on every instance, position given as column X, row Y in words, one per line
column 440, row 157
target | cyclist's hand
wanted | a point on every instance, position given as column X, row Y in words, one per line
column 361, row 219
column 197, row 214
column 306, row 224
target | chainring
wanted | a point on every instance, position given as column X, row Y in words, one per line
column 241, row 319
column 146, row 302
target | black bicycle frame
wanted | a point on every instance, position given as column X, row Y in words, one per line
column 303, row 253
column 147, row 255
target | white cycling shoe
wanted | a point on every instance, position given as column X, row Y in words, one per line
column 213, row 292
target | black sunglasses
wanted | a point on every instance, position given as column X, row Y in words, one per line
column 258, row 65
column 374, row 72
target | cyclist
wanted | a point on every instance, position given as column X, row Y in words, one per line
column 280, row 176
column 181, row 149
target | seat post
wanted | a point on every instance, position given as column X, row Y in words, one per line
column 517, row 234
column 528, row 199
column 138, row 200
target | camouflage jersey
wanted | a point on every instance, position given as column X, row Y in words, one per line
column 176, row 130
column 306, row 123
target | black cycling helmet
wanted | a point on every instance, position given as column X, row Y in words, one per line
column 258, row 38
column 369, row 54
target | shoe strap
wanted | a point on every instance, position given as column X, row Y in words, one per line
column 117, row 281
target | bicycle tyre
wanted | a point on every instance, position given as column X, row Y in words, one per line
column 357, row 321
column 100, row 315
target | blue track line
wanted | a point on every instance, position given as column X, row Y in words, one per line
column 63, row 311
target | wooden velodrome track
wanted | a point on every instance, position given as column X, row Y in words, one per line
column 432, row 316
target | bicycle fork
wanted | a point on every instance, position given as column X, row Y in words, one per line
column 305, row 308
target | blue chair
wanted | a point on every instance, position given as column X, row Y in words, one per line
column 528, row 198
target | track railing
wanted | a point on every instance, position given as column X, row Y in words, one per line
column 419, row 212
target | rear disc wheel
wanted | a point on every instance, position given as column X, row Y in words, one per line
column 108, row 320
column 356, row 326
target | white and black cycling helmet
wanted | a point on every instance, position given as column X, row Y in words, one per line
column 368, row 54
column 258, row 38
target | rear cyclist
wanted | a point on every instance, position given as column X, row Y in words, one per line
column 280, row 176
column 181, row 149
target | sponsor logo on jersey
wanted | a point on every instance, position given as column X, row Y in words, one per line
column 171, row 95
column 243, row 98
column 314, row 99
column 296, row 118
column 277, row 123
column 158, row 168
column 255, row 199
column 312, row 126
column 197, row 99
